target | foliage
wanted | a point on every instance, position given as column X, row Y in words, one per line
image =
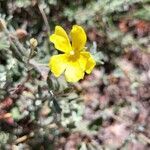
column 39, row 111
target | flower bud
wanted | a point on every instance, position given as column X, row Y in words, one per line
column 2, row 24
column 33, row 43
column 21, row 33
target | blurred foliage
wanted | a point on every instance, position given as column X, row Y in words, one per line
column 37, row 110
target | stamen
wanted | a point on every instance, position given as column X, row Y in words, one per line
column 72, row 52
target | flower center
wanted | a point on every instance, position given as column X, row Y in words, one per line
column 73, row 55
column 72, row 52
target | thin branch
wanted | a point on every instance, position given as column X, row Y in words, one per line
column 44, row 18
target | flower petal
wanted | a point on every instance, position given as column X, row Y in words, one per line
column 61, row 40
column 90, row 64
column 73, row 72
column 58, row 64
column 78, row 37
column 84, row 56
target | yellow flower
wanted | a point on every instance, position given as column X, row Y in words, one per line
column 75, row 60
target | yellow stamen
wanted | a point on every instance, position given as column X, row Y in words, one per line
column 72, row 52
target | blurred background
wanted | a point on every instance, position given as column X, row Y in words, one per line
column 108, row 109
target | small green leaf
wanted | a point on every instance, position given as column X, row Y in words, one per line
column 94, row 125
column 98, row 58
column 143, row 14
column 4, row 44
column 56, row 106
column 15, row 113
column 83, row 146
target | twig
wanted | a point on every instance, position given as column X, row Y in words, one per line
column 44, row 18
column 17, row 46
column 24, row 138
column 143, row 137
